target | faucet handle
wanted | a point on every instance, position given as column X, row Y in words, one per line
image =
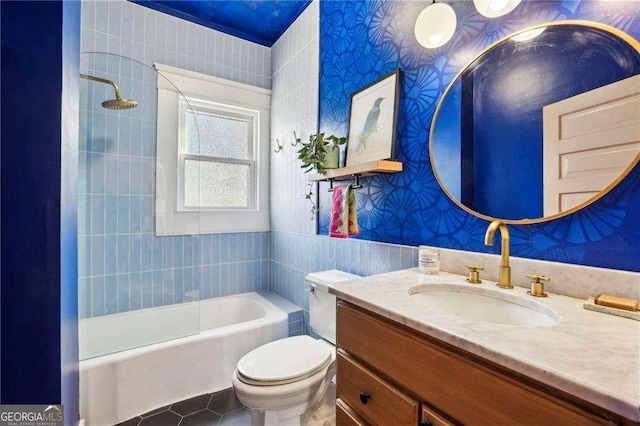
column 537, row 285
column 474, row 274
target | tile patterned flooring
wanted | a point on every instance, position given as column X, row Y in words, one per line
column 218, row 409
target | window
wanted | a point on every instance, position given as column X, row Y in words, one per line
column 215, row 140
column 217, row 164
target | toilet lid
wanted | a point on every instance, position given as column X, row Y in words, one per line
column 284, row 361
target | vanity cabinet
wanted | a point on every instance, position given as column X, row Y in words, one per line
column 389, row 374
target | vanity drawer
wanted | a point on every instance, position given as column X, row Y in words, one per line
column 430, row 417
column 470, row 390
column 376, row 401
column 345, row 416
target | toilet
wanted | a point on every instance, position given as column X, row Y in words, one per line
column 286, row 380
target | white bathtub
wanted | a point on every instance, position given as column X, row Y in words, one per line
column 123, row 374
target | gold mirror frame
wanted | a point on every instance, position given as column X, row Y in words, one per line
column 635, row 44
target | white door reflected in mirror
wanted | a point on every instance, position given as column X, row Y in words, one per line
column 589, row 140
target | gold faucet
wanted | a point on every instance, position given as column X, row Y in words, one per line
column 505, row 269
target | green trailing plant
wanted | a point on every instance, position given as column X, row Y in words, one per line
column 313, row 153
column 309, row 196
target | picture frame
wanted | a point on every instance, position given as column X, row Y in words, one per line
column 373, row 120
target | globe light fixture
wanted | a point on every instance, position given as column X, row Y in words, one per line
column 495, row 8
column 435, row 25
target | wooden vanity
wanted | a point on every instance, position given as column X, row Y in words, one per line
column 392, row 375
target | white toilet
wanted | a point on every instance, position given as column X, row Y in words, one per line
column 284, row 381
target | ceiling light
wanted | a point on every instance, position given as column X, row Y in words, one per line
column 498, row 5
column 529, row 35
column 495, row 8
column 435, row 39
column 435, row 25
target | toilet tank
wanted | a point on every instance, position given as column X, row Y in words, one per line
column 322, row 304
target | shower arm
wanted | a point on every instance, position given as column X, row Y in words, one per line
column 104, row 80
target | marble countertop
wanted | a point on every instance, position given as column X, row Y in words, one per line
column 591, row 355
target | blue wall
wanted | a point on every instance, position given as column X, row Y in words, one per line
column 362, row 40
column 69, row 211
column 38, row 255
column 449, row 129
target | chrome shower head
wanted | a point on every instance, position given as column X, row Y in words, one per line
column 119, row 102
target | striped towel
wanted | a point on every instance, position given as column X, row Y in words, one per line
column 344, row 216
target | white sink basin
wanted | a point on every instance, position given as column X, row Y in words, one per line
column 483, row 304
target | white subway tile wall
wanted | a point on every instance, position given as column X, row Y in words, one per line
column 148, row 36
column 122, row 264
column 295, row 249
column 294, row 108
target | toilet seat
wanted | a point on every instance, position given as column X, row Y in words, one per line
column 284, row 361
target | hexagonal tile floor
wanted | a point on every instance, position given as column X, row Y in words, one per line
column 218, row 409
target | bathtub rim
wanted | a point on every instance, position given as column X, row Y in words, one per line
column 273, row 314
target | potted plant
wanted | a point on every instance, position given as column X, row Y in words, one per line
column 321, row 153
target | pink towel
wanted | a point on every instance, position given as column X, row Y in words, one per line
column 344, row 217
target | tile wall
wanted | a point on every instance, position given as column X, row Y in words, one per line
column 294, row 108
column 294, row 255
column 133, row 31
column 295, row 249
column 122, row 264
column 294, row 312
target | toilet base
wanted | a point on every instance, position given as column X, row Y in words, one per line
column 322, row 414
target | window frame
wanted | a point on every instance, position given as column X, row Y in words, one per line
column 195, row 88
column 206, row 107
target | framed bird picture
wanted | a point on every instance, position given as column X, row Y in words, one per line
column 373, row 119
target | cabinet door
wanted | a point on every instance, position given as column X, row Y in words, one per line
column 375, row 400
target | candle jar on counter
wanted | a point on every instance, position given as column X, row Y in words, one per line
column 429, row 260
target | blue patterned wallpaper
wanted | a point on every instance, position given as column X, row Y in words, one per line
column 361, row 41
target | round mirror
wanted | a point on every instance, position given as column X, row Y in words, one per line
column 541, row 123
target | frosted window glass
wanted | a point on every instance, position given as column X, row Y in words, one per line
column 220, row 184
column 225, row 137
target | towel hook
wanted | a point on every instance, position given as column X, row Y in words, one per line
column 279, row 147
column 295, row 138
column 330, row 185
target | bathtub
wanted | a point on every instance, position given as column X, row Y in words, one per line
column 134, row 362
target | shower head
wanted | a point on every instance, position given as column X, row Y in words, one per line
column 119, row 102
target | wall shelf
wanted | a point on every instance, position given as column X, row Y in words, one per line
column 361, row 170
